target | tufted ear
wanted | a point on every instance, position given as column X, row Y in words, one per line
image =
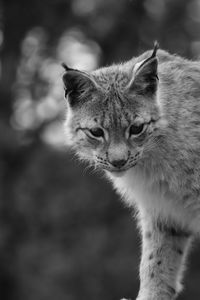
column 77, row 84
column 145, row 79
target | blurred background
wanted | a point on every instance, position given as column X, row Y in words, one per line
column 64, row 234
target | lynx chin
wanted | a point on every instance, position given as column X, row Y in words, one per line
column 139, row 121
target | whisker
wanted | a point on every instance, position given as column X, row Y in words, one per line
column 87, row 169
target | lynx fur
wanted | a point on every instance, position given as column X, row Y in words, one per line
column 139, row 121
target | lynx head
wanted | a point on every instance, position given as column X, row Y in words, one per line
column 112, row 113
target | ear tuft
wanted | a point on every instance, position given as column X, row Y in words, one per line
column 155, row 49
column 67, row 69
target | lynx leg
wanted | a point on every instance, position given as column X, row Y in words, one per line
column 164, row 250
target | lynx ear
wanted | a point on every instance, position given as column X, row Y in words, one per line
column 145, row 78
column 77, row 84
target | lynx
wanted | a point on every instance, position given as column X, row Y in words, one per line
column 139, row 121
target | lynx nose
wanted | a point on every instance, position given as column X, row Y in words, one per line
column 118, row 163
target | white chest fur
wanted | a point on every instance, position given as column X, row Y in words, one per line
column 154, row 197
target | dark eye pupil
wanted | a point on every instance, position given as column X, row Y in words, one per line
column 136, row 129
column 97, row 132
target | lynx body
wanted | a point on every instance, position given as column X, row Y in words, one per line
column 140, row 122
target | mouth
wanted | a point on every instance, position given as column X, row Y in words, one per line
column 120, row 171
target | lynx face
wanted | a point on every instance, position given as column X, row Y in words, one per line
column 113, row 113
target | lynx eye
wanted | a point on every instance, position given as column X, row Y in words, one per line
column 136, row 129
column 97, row 132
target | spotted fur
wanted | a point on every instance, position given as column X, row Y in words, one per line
column 156, row 171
